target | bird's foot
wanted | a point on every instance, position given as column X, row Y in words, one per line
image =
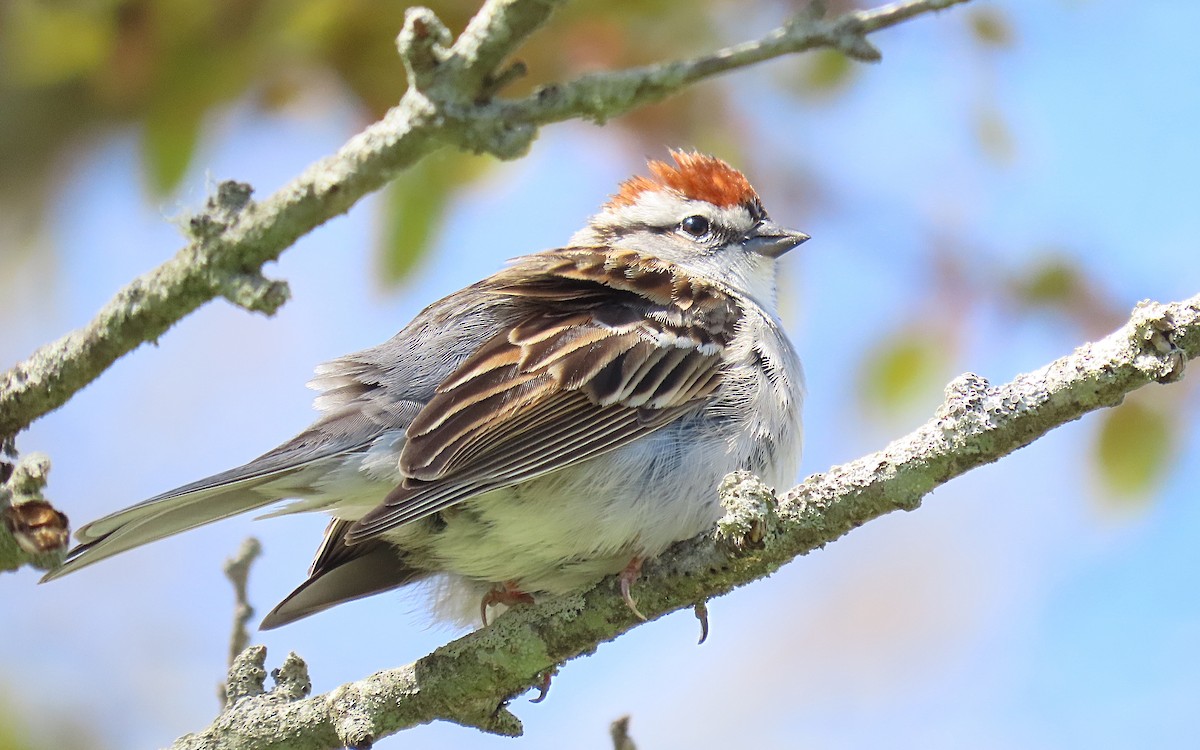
column 627, row 577
column 505, row 593
column 543, row 686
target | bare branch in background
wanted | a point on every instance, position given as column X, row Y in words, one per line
column 237, row 570
column 619, row 731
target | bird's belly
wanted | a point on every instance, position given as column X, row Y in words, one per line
column 563, row 531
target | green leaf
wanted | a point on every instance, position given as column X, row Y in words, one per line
column 415, row 205
column 1054, row 281
column 904, row 370
column 49, row 43
column 828, row 71
column 1134, row 449
column 194, row 80
column 169, row 137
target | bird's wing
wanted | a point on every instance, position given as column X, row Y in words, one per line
column 614, row 345
column 342, row 573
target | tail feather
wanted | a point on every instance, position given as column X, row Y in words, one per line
column 161, row 517
column 238, row 490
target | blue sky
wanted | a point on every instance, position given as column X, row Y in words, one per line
column 1019, row 607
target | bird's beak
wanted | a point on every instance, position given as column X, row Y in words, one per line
column 772, row 240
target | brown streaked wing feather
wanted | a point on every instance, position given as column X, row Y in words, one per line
column 616, row 345
column 333, row 550
column 535, row 455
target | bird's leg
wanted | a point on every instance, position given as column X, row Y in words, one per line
column 627, row 577
column 505, row 593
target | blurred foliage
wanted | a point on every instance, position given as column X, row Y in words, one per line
column 72, row 70
column 1054, row 282
column 1057, row 282
column 13, row 732
column 907, row 370
column 996, row 140
column 1134, row 447
column 11, row 741
column 416, row 202
column 821, row 74
column 990, row 26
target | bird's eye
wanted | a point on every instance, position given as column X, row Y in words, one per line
column 696, row 226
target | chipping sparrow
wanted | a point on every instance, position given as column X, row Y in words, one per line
column 559, row 421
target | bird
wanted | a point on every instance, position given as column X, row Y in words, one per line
column 562, row 420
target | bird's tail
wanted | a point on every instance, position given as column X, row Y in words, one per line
column 187, row 507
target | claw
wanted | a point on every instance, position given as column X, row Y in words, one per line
column 701, row 610
column 543, row 687
column 628, row 576
column 505, row 593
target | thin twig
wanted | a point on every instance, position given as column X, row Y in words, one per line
column 237, row 570
column 619, row 731
column 602, row 96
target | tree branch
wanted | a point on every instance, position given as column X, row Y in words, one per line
column 469, row 680
column 448, row 102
